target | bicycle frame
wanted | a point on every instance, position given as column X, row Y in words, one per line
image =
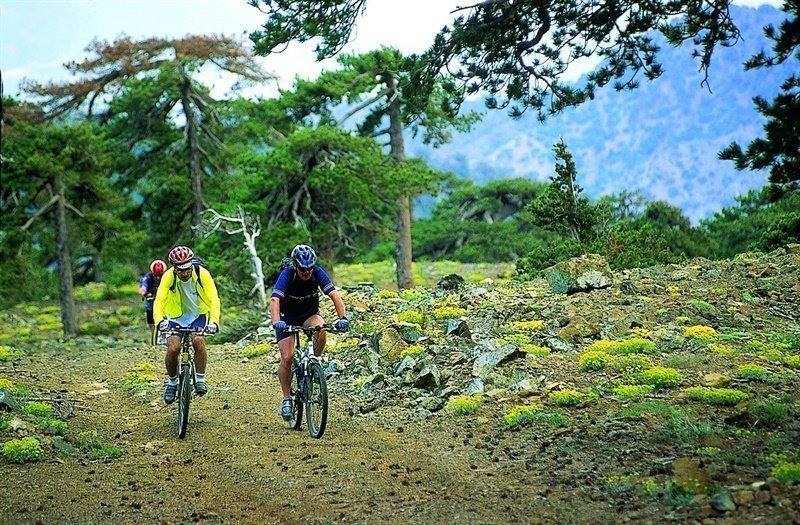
column 311, row 390
column 186, row 374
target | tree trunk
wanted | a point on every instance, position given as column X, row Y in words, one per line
column 256, row 264
column 328, row 255
column 65, row 286
column 193, row 161
column 403, row 255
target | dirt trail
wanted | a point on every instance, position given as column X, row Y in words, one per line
column 241, row 464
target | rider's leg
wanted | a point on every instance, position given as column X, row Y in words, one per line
column 171, row 359
column 319, row 337
column 200, row 354
column 286, row 347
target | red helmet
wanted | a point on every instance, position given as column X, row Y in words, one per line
column 158, row 267
column 181, row 257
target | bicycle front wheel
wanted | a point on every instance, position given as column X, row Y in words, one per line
column 184, row 399
column 316, row 401
column 297, row 400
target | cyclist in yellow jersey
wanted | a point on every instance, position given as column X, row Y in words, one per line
column 187, row 297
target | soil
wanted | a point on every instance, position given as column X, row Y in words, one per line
column 240, row 463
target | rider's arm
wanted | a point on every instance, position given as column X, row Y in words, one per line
column 160, row 303
column 338, row 303
column 210, row 290
column 144, row 283
column 275, row 310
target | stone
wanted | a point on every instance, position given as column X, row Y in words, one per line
column 450, row 282
column 7, row 401
column 723, row 502
column 744, row 497
column 579, row 274
column 485, row 362
column 458, row 327
column 409, row 332
column 716, row 380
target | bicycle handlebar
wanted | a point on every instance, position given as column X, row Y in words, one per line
column 312, row 329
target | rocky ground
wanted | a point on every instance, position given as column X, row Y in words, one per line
column 426, row 397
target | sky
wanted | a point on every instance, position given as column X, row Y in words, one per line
column 38, row 36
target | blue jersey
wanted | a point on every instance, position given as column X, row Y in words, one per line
column 150, row 283
column 299, row 298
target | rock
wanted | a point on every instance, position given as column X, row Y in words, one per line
column 558, row 345
column 579, row 274
column 388, row 344
column 458, row 327
column 408, row 332
column 407, row 363
column 428, row 378
column 577, row 329
column 62, row 446
column 485, row 362
column 450, row 282
column 689, row 476
column 475, row 387
column 744, row 497
column 716, row 380
column 723, row 502
column 7, row 401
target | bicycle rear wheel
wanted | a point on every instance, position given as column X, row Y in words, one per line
column 184, row 399
column 297, row 400
column 316, row 401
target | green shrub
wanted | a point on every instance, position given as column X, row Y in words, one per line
column 23, row 450
column 90, row 442
column 770, row 413
column 569, row 397
column 140, row 375
column 660, row 377
column 412, row 350
column 786, row 471
column 448, row 312
column 593, row 360
column 536, row 351
column 7, row 352
column 792, row 361
column 411, row 316
column 54, row 427
column 37, row 409
column 520, row 415
column 461, row 405
column 715, row 396
column 256, row 350
column 632, row 363
column 700, row 333
column 701, row 305
column 753, row 371
column 632, row 391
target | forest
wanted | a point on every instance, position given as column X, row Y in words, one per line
column 104, row 173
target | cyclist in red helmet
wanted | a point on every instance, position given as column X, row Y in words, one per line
column 187, row 297
column 148, row 285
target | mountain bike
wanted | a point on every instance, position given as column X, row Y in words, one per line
column 186, row 373
column 308, row 388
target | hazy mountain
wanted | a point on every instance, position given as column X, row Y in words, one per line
column 661, row 139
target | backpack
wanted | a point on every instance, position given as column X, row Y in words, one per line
column 197, row 262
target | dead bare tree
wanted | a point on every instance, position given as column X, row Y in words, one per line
column 250, row 228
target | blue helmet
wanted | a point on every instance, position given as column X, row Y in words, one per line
column 304, row 256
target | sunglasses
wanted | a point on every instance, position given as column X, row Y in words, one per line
column 184, row 271
column 304, row 270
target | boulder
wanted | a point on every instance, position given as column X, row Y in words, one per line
column 580, row 274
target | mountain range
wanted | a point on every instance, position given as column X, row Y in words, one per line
column 661, row 139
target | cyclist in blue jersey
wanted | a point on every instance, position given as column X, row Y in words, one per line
column 148, row 286
column 295, row 302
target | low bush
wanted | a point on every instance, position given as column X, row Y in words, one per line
column 569, row 397
column 462, row 405
column 660, row 377
column 520, row 415
column 23, row 450
column 715, row 396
